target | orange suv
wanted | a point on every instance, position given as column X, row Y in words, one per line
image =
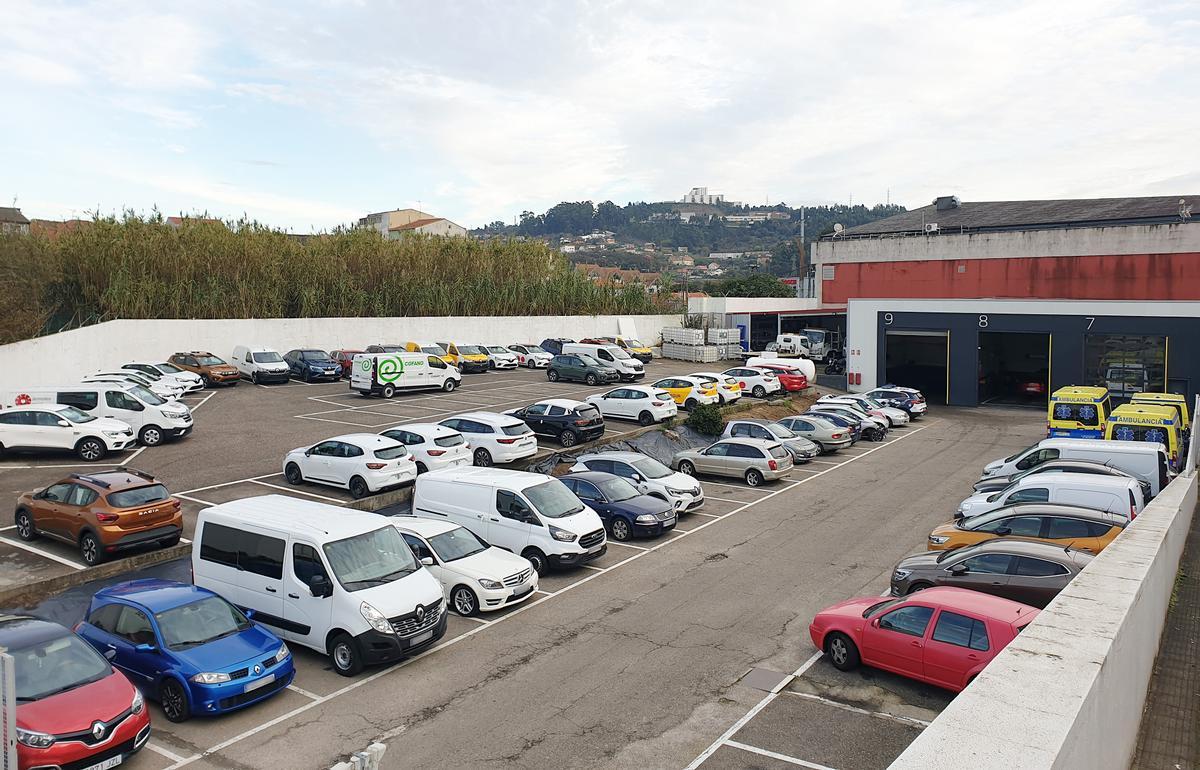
column 211, row 369
column 102, row 513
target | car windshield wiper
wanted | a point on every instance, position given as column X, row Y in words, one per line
column 193, row 642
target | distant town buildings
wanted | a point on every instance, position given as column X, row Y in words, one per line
column 618, row 276
column 701, row 195
column 13, row 221
column 393, row 225
column 757, row 216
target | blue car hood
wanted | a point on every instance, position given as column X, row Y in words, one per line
column 642, row 504
column 250, row 646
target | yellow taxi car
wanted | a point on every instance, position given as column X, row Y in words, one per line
column 430, row 348
column 1141, row 422
column 1063, row 525
column 633, row 347
column 468, row 358
column 1178, row 402
column 729, row 389
column 1077, row 411
column 688, row 392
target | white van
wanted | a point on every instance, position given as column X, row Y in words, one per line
column 153, row 419
column 1141, row 459
column 530, row 514
column 260, row 365
column 386, row 373
column 1120, row 495
column 626, row 365
column 341, row 582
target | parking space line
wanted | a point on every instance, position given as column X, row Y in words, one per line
column 776, row 755
column 712, row 515
column 731, row 486
column 627, row 545
column 599, row 569
column 828, row 462
column 160, row 750
column 193, row 499
column 226, row 484
column 545, row 593
column 476, row 620
column 202, row 402
column 10, row 526
column 847, row 707
column 299, row 492
column 40, row 552
column 293, row 688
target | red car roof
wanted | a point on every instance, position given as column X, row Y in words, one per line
column 974, row 601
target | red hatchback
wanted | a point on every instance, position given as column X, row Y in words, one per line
column 943, row 636
column 73, row 708
column 790, row 378
column 344, row 359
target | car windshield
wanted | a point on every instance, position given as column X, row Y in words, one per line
column 498, row 349
column 588, row 360
column 75, row 415
column 536, row 349
column 371, row 559
column 975, row 522
column 200, row 622
column 209, row 361
column 470, row 350
column 634, row 343
column 1015, row 455
column 456, row 544
column 651, row 468
column 268, row 357
column 553, row 500
column 391, row 453
column 880, row 607
column 433, row 350
column 618, row 354
column 56, row 665
column 617, row 489
column 146, row 396
column 169, row 368
column 315, row 355
column 778, row 431
column 131, row 498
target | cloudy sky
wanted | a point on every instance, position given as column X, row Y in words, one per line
column 306, row 115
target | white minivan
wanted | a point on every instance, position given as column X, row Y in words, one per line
column 530, row 514
column 1121, row 495
column 153, row 419
column 626, row 365
column 260, row 365
column 386, row 373
column 341, row 582
column 1141, row 459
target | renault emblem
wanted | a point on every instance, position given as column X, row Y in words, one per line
column 258, row 669
column 420, row 613
column 98, row 729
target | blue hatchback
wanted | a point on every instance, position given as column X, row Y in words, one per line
column 624, row 510
column 186, row 647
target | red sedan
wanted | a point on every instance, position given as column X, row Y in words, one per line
column 345, row 359
column 790, row 378
column 943, row 636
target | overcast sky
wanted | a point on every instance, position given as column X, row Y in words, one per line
column 306, row 115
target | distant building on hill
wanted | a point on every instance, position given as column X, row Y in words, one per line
column 618, row 276
column 393, row 225
column 701, row 195
column 13, row 221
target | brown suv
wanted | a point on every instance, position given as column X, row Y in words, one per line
column 102, row 513
column 211, row 369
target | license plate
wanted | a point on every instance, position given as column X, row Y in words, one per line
column 266, row 680
column 425, row 637
column 521, row 592
column 460, row 461
column 110, row 762
column 595, row 549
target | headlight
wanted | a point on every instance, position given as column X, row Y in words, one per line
column 282, row 654
column 938, row 539
column 647, row 518
column 35, row 740
column 375, row 618
column 562, row 534
column 490, row 585
column 678, row 492
column 210, row 678
column 901, row 574
column 114, row 433
column 138, row 701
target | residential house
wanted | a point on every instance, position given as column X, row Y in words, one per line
column 13, row 221
column 52, row 229
column 395, row 224
column 618, row 276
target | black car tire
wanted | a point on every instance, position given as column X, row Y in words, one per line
column 842, row 651
column 91, row 449
column 483, row 458
column 690, row 404
column 387, row 391
column 552, row 375
column 90, row 549
column 293, row 474
column 421, row 468
column 919, row 586
column 150, row 435
column 590, row 379
column 358, row 488
column 207, row 382
column 172, row 696
column 449, row 385
column 254, row 378
column 687, row 468
column 464, row 601
column 759, row 391
column 345, row 655
column 621, row 529
column 754, row 477
column 568, row 438
column 645, row 419
column 541, row 564
column 26, row 529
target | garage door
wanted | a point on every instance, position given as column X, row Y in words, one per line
column 919, row 359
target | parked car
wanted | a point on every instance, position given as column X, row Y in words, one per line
column 190, row 379
column 553, row 345
column 433, row 447
column 851, row 426
column 801, row 449
column 820, row 431
column 386, row 348
column 792, row 379
column 165, row 391
column 531, row 355
column 633, row 347
column 628, row 367
column 893, row 415
column 1116, row 494
column 1021, row 570
column 1143, row 460
column 212, row 370
column 728, row 389
column 689, row 392
column 260, row 365
column 625, row 511
column 153, row 419
column 429, row 348
column 58, row 427
column 649, row 475
column 386, row 374
column 364, row 463
column 759, row 383
column 467, row 358
column 753, row 460
column 567, row 421
column 72, row 708
column 345, row 359
column 644, row 403
column 186, row 647
column 580, row 369
column 1063, row 525
column 908, row 399
column 166, row 387
column 997, row 483
column 872, row 428
column 494, row 438
column 312, row 365
column 475, row 576
column 500, row 357
column 942, row 636
column 102, row 513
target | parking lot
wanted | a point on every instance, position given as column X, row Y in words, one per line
column 692, row 648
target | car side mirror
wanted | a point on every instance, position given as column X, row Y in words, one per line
column 249, row 613
column 875, row 623
column 427, row 561
column 144, row 648
column 110, row 654
column 308, row 453
column 636, row 477
column 64, row 424
column 959, row 569
column 39, row 495
column 319, row 586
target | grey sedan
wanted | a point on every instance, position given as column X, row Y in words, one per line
column 801, row 448
column 754, row 460
column 825, row 434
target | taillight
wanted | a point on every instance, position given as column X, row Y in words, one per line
column 436, row 452
column 657, row 403
column 836, row 435
column 107, row 518
column 1132, row 512
column 506, row 441
column 581, row 422
column 376, row 466
column 772, row 465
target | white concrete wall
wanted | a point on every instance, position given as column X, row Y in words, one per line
column 727, row 305
column 60, row 358
column 1068, row 693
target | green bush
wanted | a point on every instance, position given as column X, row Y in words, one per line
column 706, row 420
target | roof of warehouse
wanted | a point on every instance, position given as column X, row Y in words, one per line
column 1016, row 215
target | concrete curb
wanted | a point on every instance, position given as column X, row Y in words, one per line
column 30, row 594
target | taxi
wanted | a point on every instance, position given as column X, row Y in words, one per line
column 468, row 358
column 729, row 389
column 1078, row 412
column 1142, row 422
column 689, row 392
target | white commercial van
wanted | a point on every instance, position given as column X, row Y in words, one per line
column 626, row 365
column 530, row 514
column 260, row 365
column 341, row 582
column 153, row 419
column 386, row 373
column 1120, row 495
column 1143, row 460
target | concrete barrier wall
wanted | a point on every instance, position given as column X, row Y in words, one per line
column 62, row 358
column 1068, row 693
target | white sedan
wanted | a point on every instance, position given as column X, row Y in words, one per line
column 475, row 576
column 364, row 463
column 644, row 403
column 434, row 447
column 755, row 381
column 531, row 355
column 500, row 357
column 494, row 438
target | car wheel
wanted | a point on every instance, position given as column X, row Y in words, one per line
column 387, row 391
column 464, row 601
column 687, row 468
column 842, row 651
column 483, row 458
column 645, row 419
column 254, row 378
column 293, row 474
column 530, row 363
column 754, row 477
column 551, row 375
column 91, row 450
column 759, row 391
column 690, row 404
column 25, row 526
column 538, row 559
column 90, row 549
column 422, row 468
column 151, row 435
column 449, row 385
column 568, row 438
column 174, row 701
column 359, row 488
column 205, row 379
column 491, row 364
column 621, row 529
column 346, row 657
column 912, row 589
column 590, row 379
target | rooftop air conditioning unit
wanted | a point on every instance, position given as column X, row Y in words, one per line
column 931, row 227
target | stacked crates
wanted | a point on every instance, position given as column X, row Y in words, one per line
column 688, row 345
column 727, row 341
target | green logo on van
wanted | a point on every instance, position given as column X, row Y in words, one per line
column 390, row 369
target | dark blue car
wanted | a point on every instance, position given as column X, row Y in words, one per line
column 624, row 511
column 186, row 647
column 312, row 365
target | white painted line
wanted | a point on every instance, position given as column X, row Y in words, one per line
column 731, row 486
column 201, row 403
column 10, row 526
column 476, row 620
column 626, row 545
column 776, row 755
column 228, row 483
column 293, row 688
column 299, row 492
column 711, row 515
column 828, row 462
column 160, row 750
column 43, row 554
column 193, row 499
column 545, row 593
column 846, row 707
column 129, row 459
column 729, row 500
column 599, row 569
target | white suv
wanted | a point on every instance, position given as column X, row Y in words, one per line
column 500, row 357
column 494, row 438
column 361, row 462
column 169, row 391
column 434, row 446
column 644, row 403
column 649, row 475
column 56, row 426
column 189, row 381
